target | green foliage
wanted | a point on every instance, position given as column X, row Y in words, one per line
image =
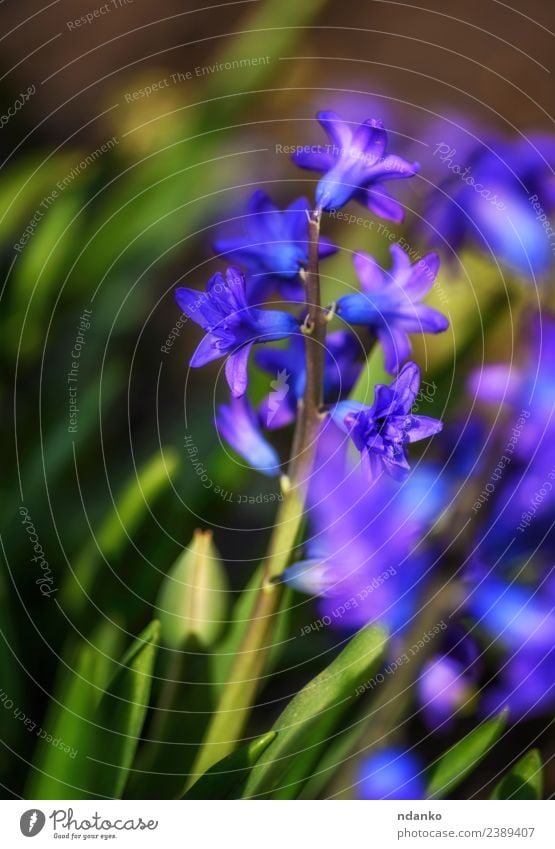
column 97, row 714
column 308, row 720
column 464, row 756
column 120, row 716
column 226, row 779
column 524, row 780
column 83, row 677
column 129, row 510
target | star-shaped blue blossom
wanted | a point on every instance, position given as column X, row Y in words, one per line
column 232, row 326
column 238, row 424
column 355, row 165
column 274, row 247
column 390, row 303
column 382, row 432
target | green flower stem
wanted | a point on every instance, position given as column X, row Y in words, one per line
column 233, row 711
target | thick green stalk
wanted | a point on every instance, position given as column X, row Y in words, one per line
column 232, row 713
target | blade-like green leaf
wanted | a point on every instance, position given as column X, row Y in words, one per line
column 226, row 779
column 60, row 769
column 122, row 519
column 39, row 270
column 524, row 780
column 120, row 716
column 455, row 764
column 311, row 716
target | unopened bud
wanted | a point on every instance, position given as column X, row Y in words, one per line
column 193, row 599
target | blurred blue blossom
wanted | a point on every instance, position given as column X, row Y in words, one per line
column 363, row 556
column 447, row 684
column 500, row 196
column 519, row 620
column 391, row 773
column 526, row 387
column 273, row 248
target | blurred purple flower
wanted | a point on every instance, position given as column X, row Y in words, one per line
column 232, row 326
column 528, row 389
column 391, row 773
column 356, row 163
column 448, row 681
column 274, row 247
column 516, row 616
column 342, row 366
column 363, row 555
column 525, row 685
column 382, row 432
column 390, row 303
column 238, row 424
column 499, row 195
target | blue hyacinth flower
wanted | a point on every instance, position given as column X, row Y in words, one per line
column 390, row 303
column 232, row 326
column 391, row 773
column 355, row 165
column 382, row 432
column 517, row 616
column 273, row 248
column 238, row 424
column 520, row 620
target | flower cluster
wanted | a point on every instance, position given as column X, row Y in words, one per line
column 274, row 253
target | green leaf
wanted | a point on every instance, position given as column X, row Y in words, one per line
column 24, row 186
column 61, row 769
column 524, row 780
column 455, row 764
column 274, row 23
column 121, row 715
column 226, row 779
column 309, row 719
column 123, row 518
